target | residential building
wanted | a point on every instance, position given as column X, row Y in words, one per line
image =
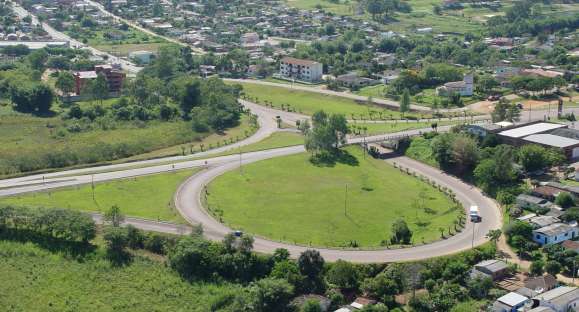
column 542, row 221
column 495, row 269
column 464, row 87
column 298, row 69
column 352, row 80
column 530, row 202
column 560, row 299
column 115, row 77
column 510, row 302
column 542, row 283
column 81, row 78
column 554, row 233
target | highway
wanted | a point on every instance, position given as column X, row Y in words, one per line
column 188, row 196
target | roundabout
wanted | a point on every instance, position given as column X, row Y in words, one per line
column 350, row 203
column 190, row 196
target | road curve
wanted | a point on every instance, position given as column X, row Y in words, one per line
column 188, row 201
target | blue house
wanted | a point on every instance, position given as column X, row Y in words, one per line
column 554, row 233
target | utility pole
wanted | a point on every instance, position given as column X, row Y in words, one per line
column 574, row 272
column 240, row 166
column 92, row 187
column 472, row 242
column 346, row 200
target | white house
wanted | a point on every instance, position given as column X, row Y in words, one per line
column 510, row 302
column 304, row 70
column 464, row 87
column 554, row 233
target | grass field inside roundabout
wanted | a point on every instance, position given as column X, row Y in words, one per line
column 290, row 199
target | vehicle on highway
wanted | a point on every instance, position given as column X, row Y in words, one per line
column 474, row 214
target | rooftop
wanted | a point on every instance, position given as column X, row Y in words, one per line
column 561, row 294
column 492, row 265
column 551, row 140
column 531, row 199
column 513, row 299
column 296, row 61
column 531, row 129
column 555, row 229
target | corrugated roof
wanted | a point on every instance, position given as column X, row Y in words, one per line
column 531, row 129
column 551, row 140
column 555, row 229
column 513, row 299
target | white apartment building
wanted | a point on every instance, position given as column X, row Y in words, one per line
column 304, row 70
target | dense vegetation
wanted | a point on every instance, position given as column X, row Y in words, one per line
column 215, row 276
column 163, row 106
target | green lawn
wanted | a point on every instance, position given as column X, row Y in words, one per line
column 276, row 140
column 305, row 204
column 340, row 7
column 29, row 143
column 309, row 102
column 149, row 197
column 380, row 128
column 420, row 150
column 37, row 280
column 126, row 48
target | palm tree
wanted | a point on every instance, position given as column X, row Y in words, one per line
column 494, row 235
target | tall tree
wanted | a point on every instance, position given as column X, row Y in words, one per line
column 65, row 82
column 405, row 102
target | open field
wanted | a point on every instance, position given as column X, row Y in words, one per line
column 126, row 48
column 29, row 143
column 148, row 197
column 44, row 281
column 380, row 128
column 340, row 7
column 310, row 102
column 305, row 204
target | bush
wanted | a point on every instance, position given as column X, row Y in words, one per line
column 565, row 200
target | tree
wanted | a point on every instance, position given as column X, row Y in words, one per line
column 100, row 88
column 114, row 216
column 311, row 305
column 441, row 147
column 343, row 275
column 553, row 267
column 311, row 263
column 479, row 287
column 565, row 200
column 537, row 267
column 135, row 237
column 328, row 133
column 270, row 294
column 505, row 111
column 465, row 152
column 401, row 233
column 65, row 82
column 532, row 157
column 405, row 102
column 280, row 254
column 116, row 241
column 494, row 235
column 289, row 271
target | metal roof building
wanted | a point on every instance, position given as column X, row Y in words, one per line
column 531, row 129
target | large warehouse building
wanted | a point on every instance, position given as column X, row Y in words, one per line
column 546, row 134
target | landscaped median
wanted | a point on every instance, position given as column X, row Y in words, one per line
column 352, row 203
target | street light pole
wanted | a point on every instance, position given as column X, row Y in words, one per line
column 473, row 226
column 346, row 200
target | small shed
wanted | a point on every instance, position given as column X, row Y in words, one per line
column 495, row 269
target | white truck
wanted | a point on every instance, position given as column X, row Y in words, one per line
column 474, row 214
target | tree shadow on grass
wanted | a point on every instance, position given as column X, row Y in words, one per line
column 74, row 249
column 330, row 159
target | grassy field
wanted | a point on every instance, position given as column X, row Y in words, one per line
column 380, row 128
column 276, row 140
column 44, row 281
column 35, row 139
column 340, row 7
column 310, row 102
column 125, row 49
column 149, row 197
column 306, row 204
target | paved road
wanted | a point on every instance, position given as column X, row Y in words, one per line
column 188, row 202
column 149, row 225
column 126, row 65
column 101, row 8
